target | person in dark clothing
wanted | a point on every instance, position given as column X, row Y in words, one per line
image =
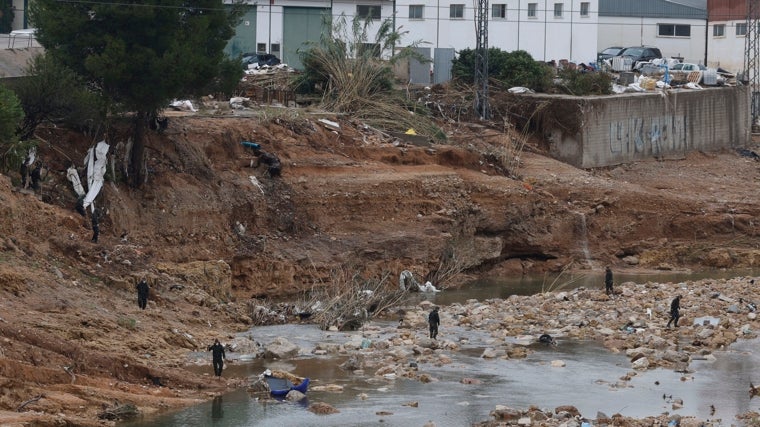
column 608, row 280
column 273, row 162
column 142, row 293
column 217, row 355
column 95, row 219
column 675, row 305
column 35, row 176
column 434, row 320
column 80, row 206
column 24, row 173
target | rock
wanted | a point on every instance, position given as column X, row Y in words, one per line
column 426, row 378
column 474, row 381
column 631, row 260
column 524, row 421
column 505, row 413
column 280, row 348
column 558, row 364
column 572, row 410
column 294, row 396
column 733, row 308
column 641, row 363
column 489, row 353
column 321, row 408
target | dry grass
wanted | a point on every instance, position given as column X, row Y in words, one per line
column 357, row 80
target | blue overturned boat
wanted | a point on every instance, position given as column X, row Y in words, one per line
column 281, row 383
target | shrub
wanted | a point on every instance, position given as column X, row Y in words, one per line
column 574, row 82
column 12, row 152
column 54, row 93
column 509, row 69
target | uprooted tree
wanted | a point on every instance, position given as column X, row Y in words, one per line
column 141, row 55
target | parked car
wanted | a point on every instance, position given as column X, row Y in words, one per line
column 259, row 59
column 640, row 54
column 609, row 53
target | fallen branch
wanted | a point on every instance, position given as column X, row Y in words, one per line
column 32, row 400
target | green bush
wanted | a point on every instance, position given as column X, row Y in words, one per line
column 509, row 69
column 12, row 152
column 574, row 82
column 54, row 93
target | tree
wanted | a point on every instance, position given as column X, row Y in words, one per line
column 52, row 92
column 11, row 115
column 140, row 54
column 516, row 68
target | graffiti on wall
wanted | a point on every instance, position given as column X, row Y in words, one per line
column 650, row 135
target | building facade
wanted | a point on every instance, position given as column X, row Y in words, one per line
column 726, row 33
column 677, row 27
column 547, row 29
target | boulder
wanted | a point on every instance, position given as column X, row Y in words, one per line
column 280, row 348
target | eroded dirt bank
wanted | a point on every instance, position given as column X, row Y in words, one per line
column 351, row 200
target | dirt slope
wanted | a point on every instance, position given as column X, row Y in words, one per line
column 350, row 200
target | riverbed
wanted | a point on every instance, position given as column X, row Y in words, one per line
column 591, row 380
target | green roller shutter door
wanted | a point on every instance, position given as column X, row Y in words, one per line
column 244, row 40
column 300, row 24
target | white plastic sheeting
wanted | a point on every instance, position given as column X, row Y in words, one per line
column 31, row 155
column 73, row 176
column 95, row 161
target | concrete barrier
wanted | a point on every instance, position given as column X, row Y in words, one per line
column 597, row 131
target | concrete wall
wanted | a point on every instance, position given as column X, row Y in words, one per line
column 624, row 128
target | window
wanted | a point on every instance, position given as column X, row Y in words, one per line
column 415, row 11
column 741, row 29
column 585, row 8
column 456, row 11
column 673, row 30
column 558, row 10
column 719, row 30
column 261, row 47
column 275, row 48
column 499, row 11
column 532, row 7
column 367, row 12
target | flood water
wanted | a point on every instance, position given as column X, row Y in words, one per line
column 590, row 380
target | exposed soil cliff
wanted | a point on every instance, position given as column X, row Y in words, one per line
column 209, row 238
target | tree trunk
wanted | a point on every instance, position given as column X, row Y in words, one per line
column 137, row 160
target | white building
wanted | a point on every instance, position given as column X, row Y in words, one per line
column 677, row 27
column 547, row 29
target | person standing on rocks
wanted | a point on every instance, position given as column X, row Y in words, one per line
column 675, row 305
column 608, row 280
column 434, row 320
column 217, row 355
column 142, row 293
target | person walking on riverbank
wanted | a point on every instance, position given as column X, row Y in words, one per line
column 675, row 306
column 217, row 356
column 434, row 320
column 142, row 294
column 608, row 280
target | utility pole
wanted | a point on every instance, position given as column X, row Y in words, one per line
column 481, row 60
column 751, row 58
